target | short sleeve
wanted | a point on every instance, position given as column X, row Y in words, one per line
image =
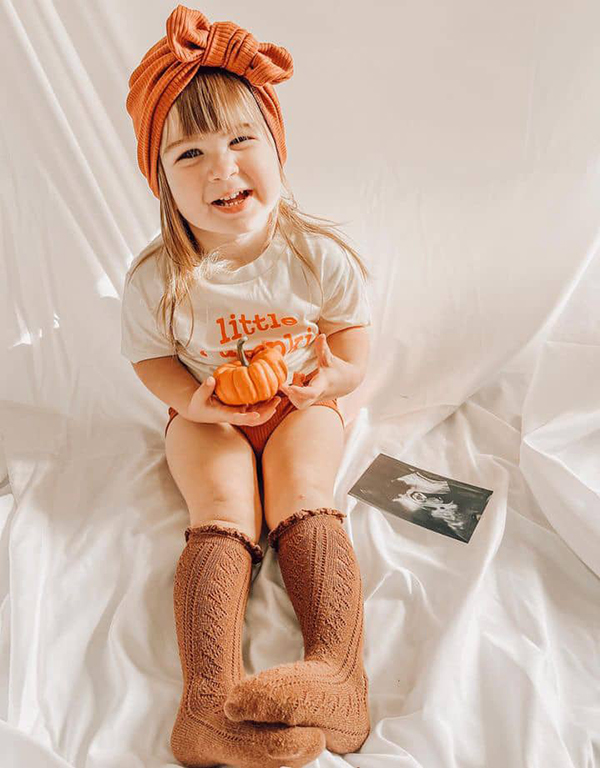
column 141, row 336
column 345, row 299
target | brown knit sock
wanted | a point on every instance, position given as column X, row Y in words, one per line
column 210, row 592
column 329, row 688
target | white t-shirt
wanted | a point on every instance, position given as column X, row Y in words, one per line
column 274, row 298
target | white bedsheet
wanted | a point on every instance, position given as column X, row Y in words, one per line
column 459, row 141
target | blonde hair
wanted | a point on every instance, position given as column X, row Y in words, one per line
column 218, row 100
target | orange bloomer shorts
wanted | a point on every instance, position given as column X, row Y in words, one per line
column 258, row 436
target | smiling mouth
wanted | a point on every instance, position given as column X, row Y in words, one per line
column 234, row 201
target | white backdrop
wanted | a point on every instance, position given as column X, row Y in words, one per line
column 458, row 142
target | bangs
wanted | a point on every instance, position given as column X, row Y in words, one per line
column 215, row 101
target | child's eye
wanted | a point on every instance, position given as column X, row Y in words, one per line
column 237, row 140
column 187, row 154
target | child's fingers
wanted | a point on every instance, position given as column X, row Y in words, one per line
column 305, row 393
column 294, row 392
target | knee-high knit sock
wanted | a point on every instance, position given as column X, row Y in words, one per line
column 329, row 688
column 210, row 593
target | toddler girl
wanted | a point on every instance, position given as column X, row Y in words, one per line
column 236, row 258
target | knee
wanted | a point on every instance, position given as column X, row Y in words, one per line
column 301, row 488
column 286, row 501
column 251, row 530
column 245, row 515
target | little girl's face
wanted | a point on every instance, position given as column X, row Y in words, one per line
column 203, row 169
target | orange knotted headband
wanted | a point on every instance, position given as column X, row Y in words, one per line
column 166, row 69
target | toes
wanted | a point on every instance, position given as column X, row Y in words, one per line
column 257, row 705
column 235, row 711
column 296, row 746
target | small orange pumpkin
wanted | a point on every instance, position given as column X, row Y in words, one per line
column 246, row 383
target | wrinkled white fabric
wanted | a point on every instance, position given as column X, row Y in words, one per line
column 463, row 159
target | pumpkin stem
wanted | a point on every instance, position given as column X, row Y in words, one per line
column 240, row 351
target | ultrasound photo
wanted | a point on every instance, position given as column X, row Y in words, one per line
column 433, row 501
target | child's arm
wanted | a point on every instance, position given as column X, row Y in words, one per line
column 169, row 380
column 352, row 346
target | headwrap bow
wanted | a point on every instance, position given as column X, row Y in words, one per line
column 191, row 42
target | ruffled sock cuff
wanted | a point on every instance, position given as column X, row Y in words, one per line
column 302, row 514
column 255, row 550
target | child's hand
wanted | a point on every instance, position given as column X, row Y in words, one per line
column 323, row 384
column 206, row 408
